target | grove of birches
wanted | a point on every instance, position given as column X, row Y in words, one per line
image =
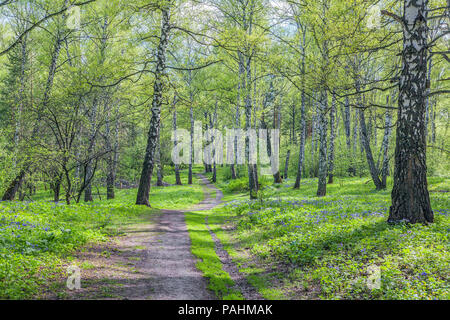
column 91, row 92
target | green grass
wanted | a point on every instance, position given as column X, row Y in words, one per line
column 328, row 245
column 289, row 243
column 36, row 238
column 203, row 247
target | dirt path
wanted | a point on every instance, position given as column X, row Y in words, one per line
column 151, row 261
column 169, row 259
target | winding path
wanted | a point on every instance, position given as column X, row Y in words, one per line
column 168, row 257
column 162, row 264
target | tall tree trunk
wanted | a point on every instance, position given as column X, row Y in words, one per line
column 410, row 197
column 286, row 165
column 207, row 161
column 314, row 134
column 361, row 141
column 89, row 174
column 237, row 119
column 385, row 149
column 253, row 185
column 355, row 132
column 56, row 186
column 332, row 139
column 323, row 107
column 112, row 157
column 346, row 118
column 301, row 155
column 99, row 97
column 191, row 150
column 213, row 126
column 323, row 129
column 177, row 167
column 274, row 157
column 365, row 141
column 153, row 133
column 270, row 103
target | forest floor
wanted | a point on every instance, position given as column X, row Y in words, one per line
column 287, row 244
column 152, row 260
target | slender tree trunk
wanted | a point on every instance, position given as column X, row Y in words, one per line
column 148, row 165
column 348, row 136
column 191, row 150
column 234, row 168
column 365, row 142
column 277, row 125
column 323, row 163
column 99, row 97
column 112, row 158
column 92, row 141
column 301, row 155
column 253, row 186
column 213, row 126
column 314, row 135
column 286, row 166
column 208, row 168
column 346, row 117
column 355, row 133
column 323, row 107
column 57, row 188
column 361, row 141
column 177, row 167
column 332, row 139
column 410, row 197
column 385, row 148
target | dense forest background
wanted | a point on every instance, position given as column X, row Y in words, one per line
column 76, row 91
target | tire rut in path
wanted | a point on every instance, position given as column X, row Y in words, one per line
column 248, row 291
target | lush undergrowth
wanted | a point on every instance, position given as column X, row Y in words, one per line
column 334, row 246
column 35, row 237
